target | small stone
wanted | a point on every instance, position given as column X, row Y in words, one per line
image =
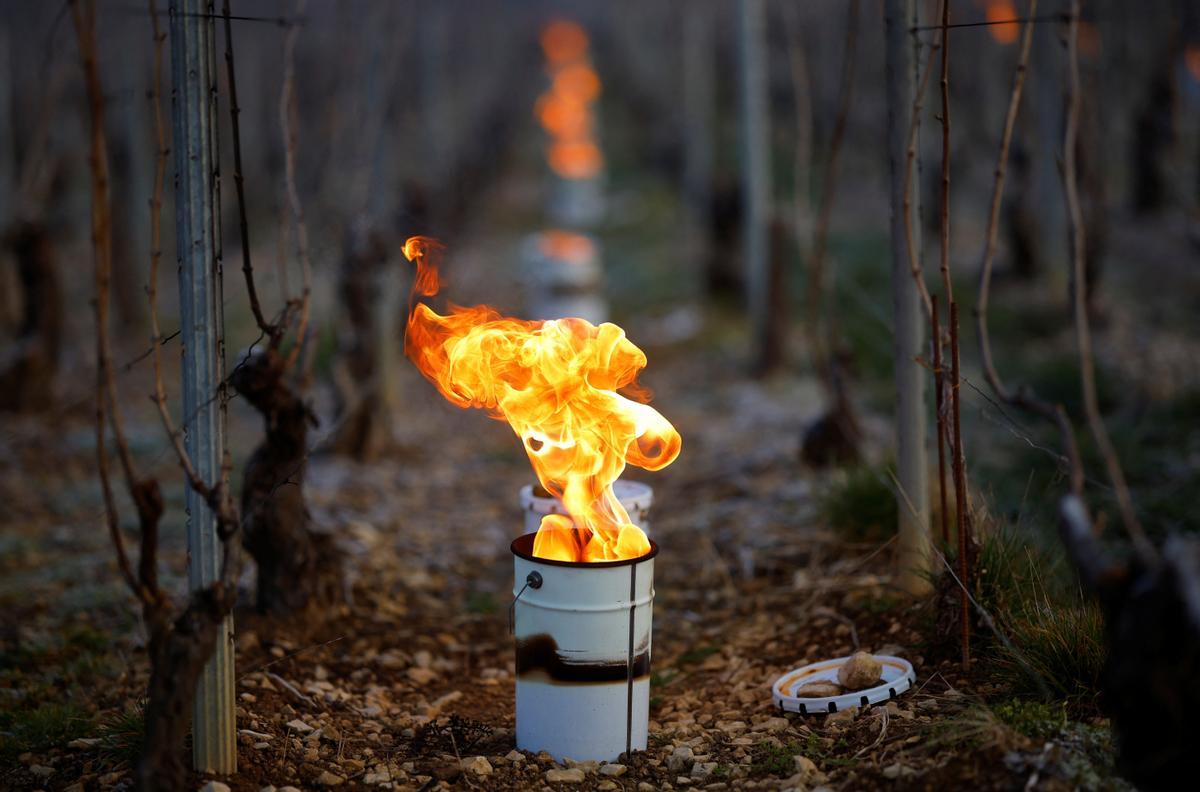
column 422, row 676
column 841, row 717
column 249, row 698
column 645, row 787
column 299, row 726
column 83, row 743
column 288, row 789
column 892, row 771
column 570, row 776
column 589, row 766
column 329, row 779
column 423, row 659
column 702, row 771
column 615, row 770
column 515, row 756
column 606, row 785
column 821, row 689
column 268, row 788
column 861, row 671
column 804, row 765
column 681, row 759
column 683, row 781
column 775, row 724
column 259, row 746
column 42, row 771
column 479, row 765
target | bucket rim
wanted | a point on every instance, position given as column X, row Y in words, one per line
column 522, row 547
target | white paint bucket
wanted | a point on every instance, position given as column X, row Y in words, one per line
column 563, row 277
column 582, row 635
column 635, row 496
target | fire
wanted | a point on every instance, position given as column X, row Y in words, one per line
column 565, row 109
column 556, row 383
column 1191, row 57
column 999, row 15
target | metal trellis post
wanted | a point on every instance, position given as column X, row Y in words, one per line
column 193, row 114
column 908, row 329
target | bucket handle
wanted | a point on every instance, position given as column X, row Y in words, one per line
column 532, row 581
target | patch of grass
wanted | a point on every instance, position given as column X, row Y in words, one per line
column 38, row 729
column 482, row 603
column 121, row 737
column 697, row 655
column 1037, row 720
column 861, row 506
column 1056, row 632
column 772, row 759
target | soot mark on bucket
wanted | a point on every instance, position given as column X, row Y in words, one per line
column 540, row 653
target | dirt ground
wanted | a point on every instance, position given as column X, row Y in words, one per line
column 411, row 679
column 408, row 684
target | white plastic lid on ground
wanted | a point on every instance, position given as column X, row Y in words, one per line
column 897, row 677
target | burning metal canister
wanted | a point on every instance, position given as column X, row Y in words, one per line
column 564, row 277
column 583, row 653
column 635, row 496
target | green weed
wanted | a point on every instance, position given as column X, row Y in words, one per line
column 861, row 506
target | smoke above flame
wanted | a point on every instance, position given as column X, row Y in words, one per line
column 556, row 383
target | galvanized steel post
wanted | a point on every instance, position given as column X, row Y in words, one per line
column 756, row 170
column 197, row 230
column 902, row 58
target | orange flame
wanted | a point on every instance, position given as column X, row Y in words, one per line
column 564, row 41
column 556, row 383
column 998, row 13
column 1191, row 57
column 564, row 110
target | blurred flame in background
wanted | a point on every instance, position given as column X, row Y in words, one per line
column 566, row 246
column 998, row 13
column 1191, row 57
column 556, row 383
column 565, row 109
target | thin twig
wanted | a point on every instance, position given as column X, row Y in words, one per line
column 1023, row 397
column 945, row 207
column 287, row 99
column 910, row 158
column 239, row 180
column 939, row 393
column 1083, row 334
column 960, row 488
column 107, row 412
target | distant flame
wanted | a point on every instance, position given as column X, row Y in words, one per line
column 1000, row 14
column 1191, row 57
column 566, row 246
column 556, row 383
column 565, row 109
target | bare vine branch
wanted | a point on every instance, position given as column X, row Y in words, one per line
column 1023, row 397
column 287, row 99
column 239, row 181
column 945, row 208
column 910, row 158
column 107, row 411
column 1083, row 334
